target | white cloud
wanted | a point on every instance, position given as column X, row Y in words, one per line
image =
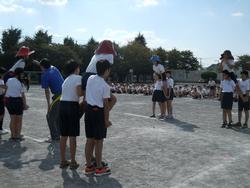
column 11, row 6
column 54, row 2
column 81, row 30
column 146, row 3
column 237, row 14
column 122, row 37
column 56, row 35
column 42, row 27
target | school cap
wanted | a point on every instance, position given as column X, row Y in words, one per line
column 24, row 52
column 155, row 58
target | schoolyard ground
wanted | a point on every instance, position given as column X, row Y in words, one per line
column 189, row 151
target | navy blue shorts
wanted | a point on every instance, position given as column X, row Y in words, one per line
column 69, row 118
column 14, row 105
column 227, row 101
column 1, row 105
column 95, row 123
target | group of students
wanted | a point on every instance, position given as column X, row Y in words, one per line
column 163, row 90
column 65, row 109
column 228, row 86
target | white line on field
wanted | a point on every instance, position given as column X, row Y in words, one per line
column 136, row 115
column 35, row 139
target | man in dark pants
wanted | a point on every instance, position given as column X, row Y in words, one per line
column 51, row 81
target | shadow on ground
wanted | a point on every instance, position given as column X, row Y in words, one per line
column 74, row 180
column 185, row 126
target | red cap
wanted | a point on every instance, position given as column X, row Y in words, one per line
column 24, row 52
column 105, row 47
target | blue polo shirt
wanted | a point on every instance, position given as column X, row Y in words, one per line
column 52, row 78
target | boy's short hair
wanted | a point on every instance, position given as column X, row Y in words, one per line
column 70, row 67
column 102, row 66
column 168, row 71
column 45, row 63
column 245, row 72
column 226, row 72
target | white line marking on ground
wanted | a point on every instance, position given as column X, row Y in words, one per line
column 39, row 140
column 135, row 115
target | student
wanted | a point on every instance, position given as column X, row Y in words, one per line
column 227, row 90
column 51, row 81
column 170, row 97
column 157, row 67
column 105, row 51
column 22, row 57
column 243, row 99
column 2, row 92
column 158, row 96
column 227, row 63
column 97, row 118
column 156, row 77
column 68, row 113
column 16, row 103
column 212, row 87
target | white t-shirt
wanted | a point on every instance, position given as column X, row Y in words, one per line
column 69, row 91
column 158, row 85
column 227, row 86
column 19, row 64
column 14, row 88
column 97, row 90
column 211, row 83
column 159, row 69
column 170, row 82
column 92, row 65
column 226, row 67
column 1, row 89
column 244, row 86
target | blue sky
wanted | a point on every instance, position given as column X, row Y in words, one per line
column 207, row 27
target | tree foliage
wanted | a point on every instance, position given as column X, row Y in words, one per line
column 10, row 40
column 135, row 55
column 206, row 75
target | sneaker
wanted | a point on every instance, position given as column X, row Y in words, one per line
column 64, row 164
column 244, row 126
column 224, row 124
column 89, row 170
column 153, row 116
column 229, row 125
column 3, row 131
column 162, row 117
column 73, row 165
column 102, row 171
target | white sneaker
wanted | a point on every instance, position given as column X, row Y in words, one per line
column 4, row 131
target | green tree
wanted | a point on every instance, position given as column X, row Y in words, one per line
column 140, row 39
column 206, row 75
column 182, row 60
column 10, row 39
column 68, row 41
column 244, row 62
column 137, row 56
column 42, row 37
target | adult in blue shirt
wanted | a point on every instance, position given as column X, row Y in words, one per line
column 51, row 81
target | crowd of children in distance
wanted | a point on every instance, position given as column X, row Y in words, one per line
column 99, row 100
